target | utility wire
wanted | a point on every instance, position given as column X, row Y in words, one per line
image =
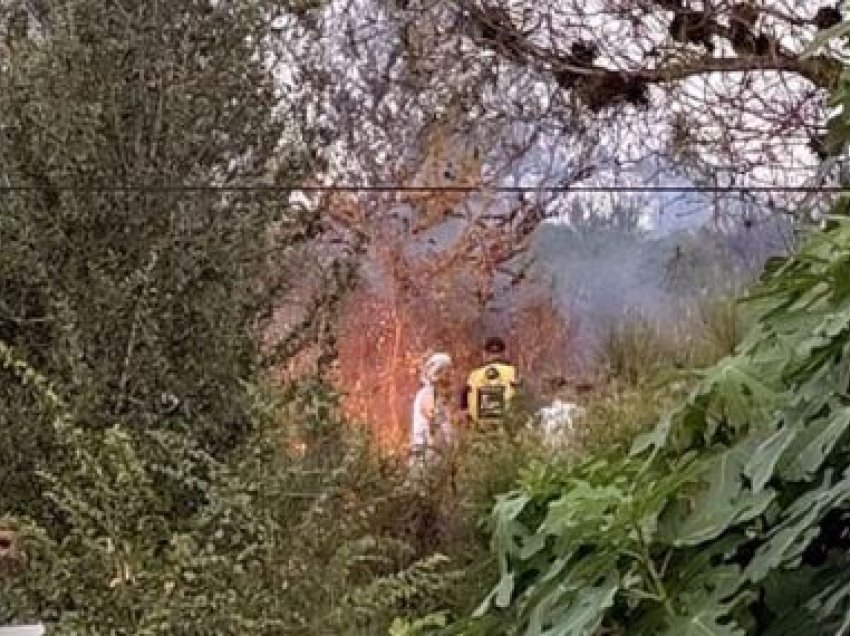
column 307, row 189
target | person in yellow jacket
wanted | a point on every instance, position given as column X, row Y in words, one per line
column 490, row 388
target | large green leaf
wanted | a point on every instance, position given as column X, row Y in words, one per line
column 654, row 440
column 583, row 504
column 721, row 501
column 506, row 538
column 735, row 393
column 578, row 614
column 704, row 607
column 810, row 448
column 760, row 467
column 798, row 528
column 710, row 620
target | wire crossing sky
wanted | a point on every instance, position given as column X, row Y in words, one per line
column 354, row 188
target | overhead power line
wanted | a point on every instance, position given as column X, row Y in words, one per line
column 435, row 189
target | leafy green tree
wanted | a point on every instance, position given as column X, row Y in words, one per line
column 272, row 545
column 136, row 289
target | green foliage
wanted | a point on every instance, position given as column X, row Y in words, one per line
column 730, row 517
column 160, row 537
column 141, row 302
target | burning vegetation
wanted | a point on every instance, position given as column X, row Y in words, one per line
column 386, row 332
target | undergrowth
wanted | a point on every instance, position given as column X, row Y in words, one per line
column 729, row 517
column 307, row 529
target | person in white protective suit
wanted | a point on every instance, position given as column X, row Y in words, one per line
column 431, row 425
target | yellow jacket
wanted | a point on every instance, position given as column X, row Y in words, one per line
column 489, row 391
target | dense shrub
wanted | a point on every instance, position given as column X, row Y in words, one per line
column 730, row 517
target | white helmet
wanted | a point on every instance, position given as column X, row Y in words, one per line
column 435, row 365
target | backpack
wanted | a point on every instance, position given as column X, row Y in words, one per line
column 490, row 390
